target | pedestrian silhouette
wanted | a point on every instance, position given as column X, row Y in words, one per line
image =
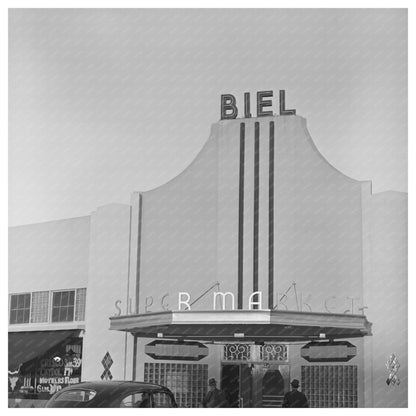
column 295, row 398
column 214, row 397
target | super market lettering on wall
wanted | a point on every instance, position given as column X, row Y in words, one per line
column 226, row 301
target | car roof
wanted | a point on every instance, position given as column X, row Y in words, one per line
column 107, row 394
column 109, row 385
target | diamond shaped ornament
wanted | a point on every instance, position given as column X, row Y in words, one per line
column 107, row 361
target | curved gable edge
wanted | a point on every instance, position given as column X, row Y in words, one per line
column 366, row 183
column 213, row 136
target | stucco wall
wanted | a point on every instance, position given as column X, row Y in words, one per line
column 190, row 225
column 343, row 248
column 385, row 292
column 318, row 224
column 51, row 255
column 189, row 233
column 108, row 282
column 179, row 233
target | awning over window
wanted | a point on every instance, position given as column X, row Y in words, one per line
column 243, row 325
column 26, row 346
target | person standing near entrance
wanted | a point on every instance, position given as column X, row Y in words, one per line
column 295, row 398
column 214, row 397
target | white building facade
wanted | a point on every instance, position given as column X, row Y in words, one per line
column 261, row 211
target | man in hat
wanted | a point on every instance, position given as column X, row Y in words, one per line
column 295, row 398
column 214, row 397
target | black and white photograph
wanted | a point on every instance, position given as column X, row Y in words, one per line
column 207, row 207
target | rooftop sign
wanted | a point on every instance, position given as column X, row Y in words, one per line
column 229, row 108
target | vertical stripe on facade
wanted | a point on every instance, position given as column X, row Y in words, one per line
column 134, row 372
column 271, row 216
column 256, row 207
column 128, row 291
column 241, row 219
column 139, row 244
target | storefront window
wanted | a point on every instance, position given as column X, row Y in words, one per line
column 80, row 304
column 330, row 385
column 40, row 305
column 35, row 307
column 47, row 362
column 63, row 306
column 162, row 400
column 187, row 382
column 20, row 308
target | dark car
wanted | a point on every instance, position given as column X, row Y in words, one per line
column 124, row 394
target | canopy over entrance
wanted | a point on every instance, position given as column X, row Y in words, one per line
column 247, row 325
column 26, row 346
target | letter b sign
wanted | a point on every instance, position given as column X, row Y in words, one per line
column 229, row 108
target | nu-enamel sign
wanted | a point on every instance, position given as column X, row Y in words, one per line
column 229, row 109
column 319, row 352
column 174, row 350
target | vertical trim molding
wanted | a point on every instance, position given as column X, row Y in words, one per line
column 271, row 216
column 139, row 250
column 256, row 207
column 241, row 219
column 134, row 372
column 128, row 293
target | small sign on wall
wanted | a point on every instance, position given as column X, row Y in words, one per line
column 173, row 350
column 393, row 366
column 107, row 362
column 337, row 351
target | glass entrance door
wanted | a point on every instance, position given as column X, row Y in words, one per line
column 246, row 386
column 236, row 383
column 230, row 383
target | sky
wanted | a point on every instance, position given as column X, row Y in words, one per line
column 105, row 102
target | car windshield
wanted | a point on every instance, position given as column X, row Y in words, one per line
column 79, row 395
